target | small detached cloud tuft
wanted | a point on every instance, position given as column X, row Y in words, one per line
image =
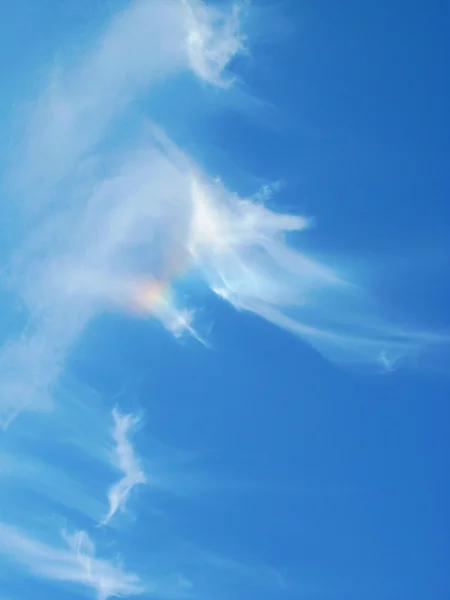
column 125, row 460
column 214, row 38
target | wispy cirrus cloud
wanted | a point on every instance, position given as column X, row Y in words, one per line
column 62, row 458
column 40, row 481
column 185, row 221
column 66, row 180
column 125, row 460
column 147, row 42
column 213, row 40
column 116, row 220
column 74, row 563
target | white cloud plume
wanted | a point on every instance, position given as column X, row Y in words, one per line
column 72, row 561
column 147, row 42
column 122, row 229
column 60, row 183
column 109, row 226
column 214, row 39
column 74, row 564
column 176, row 219
column 159, row 216
column 125, row 460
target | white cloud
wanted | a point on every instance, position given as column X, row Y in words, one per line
column 144, row 44
column 61, row 183
column 125, row 460
column 31, row 478
column 76, row 563
column 214, row 38
column 241, row 250
column 114, row 222
column 159, row 216
column 122, row 230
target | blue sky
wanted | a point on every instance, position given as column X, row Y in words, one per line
column 224, row 289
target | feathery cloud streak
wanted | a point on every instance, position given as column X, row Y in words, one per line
column 126, row 462
column 62, row 189
column 177, row 220
column 144, row 44
column 120, row 228
column 112, row 222
column 75, row 563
